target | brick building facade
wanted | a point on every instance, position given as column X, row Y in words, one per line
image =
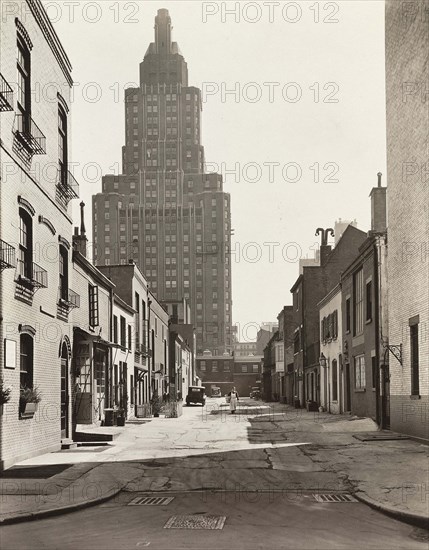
column 364, row 292
column 35, row 231
column 310, row 287
column 216, row 370
column 407, row 76
column 247, row 374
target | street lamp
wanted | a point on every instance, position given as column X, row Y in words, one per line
column 322, row 361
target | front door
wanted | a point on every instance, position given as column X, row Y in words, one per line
column 64, row 398
column 348, row 393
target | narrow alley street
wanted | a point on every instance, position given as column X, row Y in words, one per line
column 238, row 476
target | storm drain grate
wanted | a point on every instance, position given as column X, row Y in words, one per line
column 334, row 498
column 150, row 501
column 199, row 521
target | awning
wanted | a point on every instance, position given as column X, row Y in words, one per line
column 96, row 339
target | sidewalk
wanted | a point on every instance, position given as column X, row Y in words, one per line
column 389, row 475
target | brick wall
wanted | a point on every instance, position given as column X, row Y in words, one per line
column 35, row 180
column 363, row 400
column 407, row 75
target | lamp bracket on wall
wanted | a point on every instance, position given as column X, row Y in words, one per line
column 396, row 351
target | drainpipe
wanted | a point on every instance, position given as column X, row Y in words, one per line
column 377, row 283
column 110, row 355
column 329, row 385
column 304, row 352
column 149, row 347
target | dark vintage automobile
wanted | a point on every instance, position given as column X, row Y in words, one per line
column 196, row 394
column 256, row 393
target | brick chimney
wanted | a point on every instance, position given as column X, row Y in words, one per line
column 80, row 242
column 325, row 248
column 378, row 207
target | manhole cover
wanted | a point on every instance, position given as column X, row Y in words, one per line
column 334, row 498
column 195, row 522
column 150, row 501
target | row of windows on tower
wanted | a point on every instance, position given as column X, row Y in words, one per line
column 153, row 98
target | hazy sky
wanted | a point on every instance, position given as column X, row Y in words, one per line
column 308, row 110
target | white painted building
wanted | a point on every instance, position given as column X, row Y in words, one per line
column 331, row 367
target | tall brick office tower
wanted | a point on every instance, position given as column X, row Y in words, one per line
column 163, row 211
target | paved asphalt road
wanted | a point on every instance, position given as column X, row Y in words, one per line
column 253, row 507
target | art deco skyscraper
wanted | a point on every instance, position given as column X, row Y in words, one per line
column 163, row 211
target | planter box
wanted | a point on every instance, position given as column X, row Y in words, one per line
column 110, row 417
column 28, row 410
column 143, row 411
column 312, row 406
column 120, row 420
column 173, row 410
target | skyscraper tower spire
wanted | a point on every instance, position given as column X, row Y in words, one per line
column 163, row 32
column 163, row 62
column 163, row 211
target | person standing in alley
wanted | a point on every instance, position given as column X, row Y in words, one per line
column 233, row 400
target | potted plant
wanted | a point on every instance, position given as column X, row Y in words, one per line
column 28, row 400
column 5, row 392
column 156, row 405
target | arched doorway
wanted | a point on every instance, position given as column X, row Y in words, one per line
column 64, row 407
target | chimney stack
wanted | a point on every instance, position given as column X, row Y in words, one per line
column 378, row 207
column 80, row 241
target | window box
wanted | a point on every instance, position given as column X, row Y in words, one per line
column 28, row 410
column 28, row 401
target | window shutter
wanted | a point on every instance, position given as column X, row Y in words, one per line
column 335, row 331
column 323, row 329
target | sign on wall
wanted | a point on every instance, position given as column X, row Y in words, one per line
column 9, row 354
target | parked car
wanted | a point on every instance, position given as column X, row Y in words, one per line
column 255, row 393
column 196, row 394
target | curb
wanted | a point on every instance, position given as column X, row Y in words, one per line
column 40, row 514
column 407, row 517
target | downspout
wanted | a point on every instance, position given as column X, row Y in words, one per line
column 304, row 352
column 377, row 292
column 329, row 385
column 110, row 365
column 149, row 355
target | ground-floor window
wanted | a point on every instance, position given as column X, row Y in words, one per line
column 360, row 381
column 26, row 361
column 414, row 355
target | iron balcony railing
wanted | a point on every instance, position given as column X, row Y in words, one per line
column 30, row 135
column 6, row 95
column 69, row 299
column 143, row 348
column 31, row 275
column 7, row 255
column 67, row 186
